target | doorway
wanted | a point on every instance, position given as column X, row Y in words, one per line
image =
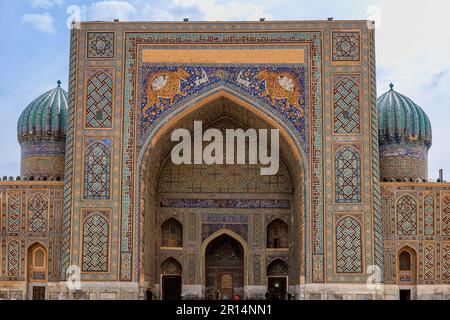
column 224, row 269
column 405, row 295
column 277, row 288
column 38, row 293
column 171, row 287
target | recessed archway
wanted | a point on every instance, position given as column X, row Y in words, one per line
column 154, row 208
column 224, row 261
column 37, row 271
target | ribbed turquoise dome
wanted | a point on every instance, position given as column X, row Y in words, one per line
column 401, row 120
column 44, row 117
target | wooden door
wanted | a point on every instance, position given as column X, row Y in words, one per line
column 225, row 285
column 38, row 293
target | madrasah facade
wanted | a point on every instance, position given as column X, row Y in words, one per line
column 99, row 200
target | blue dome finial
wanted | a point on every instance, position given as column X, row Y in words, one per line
column 391, row 85
column 59, row 83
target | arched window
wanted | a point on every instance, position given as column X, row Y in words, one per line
column 347, row 166
column 277, row 268
column 37, row 262
column 99, row 101
column 171, row 233
column 277, row 234
column 39, row 258
column 97, row 171
column 406, row 216
column 405, row 261
column 406, row 266
column 95, row 244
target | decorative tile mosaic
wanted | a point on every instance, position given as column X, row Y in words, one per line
column 346, row 105
column 406, row 216
column 99, row 99
column 97, row 169
column 347, row 166
column 225, row 203
column 95, row 244
column 346, row 46
column 100, row 44
column 283, row 88
column 348, row 246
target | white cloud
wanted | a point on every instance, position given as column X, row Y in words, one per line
column 109, row 10
column 41, row 22
column 225, row 10
column 413, row 51
column 46, row 4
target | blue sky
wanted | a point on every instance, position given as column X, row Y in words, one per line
column 413, row 49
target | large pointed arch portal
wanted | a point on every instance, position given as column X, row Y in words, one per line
column 210, row 199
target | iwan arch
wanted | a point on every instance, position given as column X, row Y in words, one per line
column 350, row 195
column 211, row 201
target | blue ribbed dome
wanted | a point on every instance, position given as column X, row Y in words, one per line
column 401, row 120
column 45, row 117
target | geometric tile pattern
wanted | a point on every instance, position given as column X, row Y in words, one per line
column 100, row 44
column 14, row 258
column 223, row 178
column 346, row 46
column 406, row 216
column 95, row 244
column 69, row 155
column 428, row 223
column 348, row 175
column 170, row 266
column 346, row 107
column 37, row 213
column 99, row 101
column 14, row 209
column 429, row 261
column 97, row 171
column 445, row 262
column 446, row 215
column 348, row 246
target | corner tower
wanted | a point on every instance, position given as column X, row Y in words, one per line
column 404, row 137
column 42, row 135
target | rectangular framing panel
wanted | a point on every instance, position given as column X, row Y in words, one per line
column 444, row 194
column 85, row 213
column 444, row 244
column 87, row 45
column 29, row 194
column 359, row 216
column 87, row 74
column 17, row 191
column 397, row 196
column 334, row 78
column 349, row 63
column 424, row 195
column 424, row 246
column 21, row 257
